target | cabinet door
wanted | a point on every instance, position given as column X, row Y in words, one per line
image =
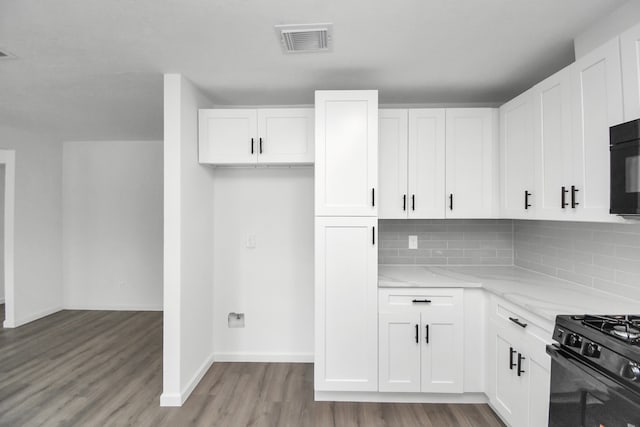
column 630, row 49
column 426, row 163
column 504, row 388
column 553, row 138
column 539, row 379
column 346, row 170
column 399, row 352
column 346, row 316
column 470, row 162
column 227, row 136
column 442, row 353
column 392, row 134
column 518, row 152
column 285, row 135
column 597, row 105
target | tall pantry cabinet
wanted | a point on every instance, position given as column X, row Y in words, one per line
column 346, row 254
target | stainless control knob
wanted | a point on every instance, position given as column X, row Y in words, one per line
column 631, row 371
column 574, row 340
column 591, row 350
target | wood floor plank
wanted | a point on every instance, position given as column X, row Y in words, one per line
column 101, row 368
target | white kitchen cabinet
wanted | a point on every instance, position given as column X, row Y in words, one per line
column 630, row 51
column 552, row 133
column 285, row 135
column 227, row 136
column 518, row 371
column 346, row 304
column 400, row 348
column 426, row 163
column 393, row 169
column 346, row 160
column 421, row 340
column 251, row 137
column 597, row 104
column 471, row 162
column 518, row 153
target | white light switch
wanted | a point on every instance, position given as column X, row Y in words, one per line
column 251, row 241
column 413, row 242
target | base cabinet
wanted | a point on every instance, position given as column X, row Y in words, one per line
column 518, row 370
column 420, row 343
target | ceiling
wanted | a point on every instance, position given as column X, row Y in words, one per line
column 92, row 69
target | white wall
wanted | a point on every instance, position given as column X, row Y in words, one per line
column 112, row 225
column 188, row 245
column 38, row 224
column 273, row 282
column 607, row 27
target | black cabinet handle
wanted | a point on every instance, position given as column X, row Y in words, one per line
column 417, row 332
column 427, row 334
column 511, row 353
column 373, row 197
column 421, row 301
column 451, row 201
column 520, row 359
column 526, row 199
column 563, row 202
column 574, row 190
column 413, row 202
column 404, row 202
column 373, row 235
column 518, row 322
column 260, row 146
column 251, row 145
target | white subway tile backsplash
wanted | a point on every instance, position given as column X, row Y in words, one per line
column 599, row 255
column 447, row 242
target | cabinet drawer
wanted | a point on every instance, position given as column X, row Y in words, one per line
column 445, row 300
column 506, row 314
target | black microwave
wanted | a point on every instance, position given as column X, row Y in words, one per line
column 625, row 168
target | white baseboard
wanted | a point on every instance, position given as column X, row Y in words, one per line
column 30, row 318
column 170, row 399
column 112, row 307
column 374, row 396
column 264, row 357
column 175, row 399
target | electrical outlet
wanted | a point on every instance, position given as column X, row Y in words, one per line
column 413, row 242
column 235, row 320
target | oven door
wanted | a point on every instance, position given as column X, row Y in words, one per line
column 625, row 178
column 581, row 396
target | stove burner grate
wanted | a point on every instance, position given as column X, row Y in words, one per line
column 625, row 328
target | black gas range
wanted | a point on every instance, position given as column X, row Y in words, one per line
column 595, row 371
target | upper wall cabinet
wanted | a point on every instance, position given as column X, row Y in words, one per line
column 555, row 149
column 519, row 191
column 471, row 162
column 597, row 105
column 346, row 169
column 630, row 48
column 250, row 137
column 412, row 163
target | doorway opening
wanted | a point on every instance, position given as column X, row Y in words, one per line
column 7, row 207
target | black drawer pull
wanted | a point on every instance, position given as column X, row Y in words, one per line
column 451, row 201
column 518, row 322
column 417, row 333
column 421, row 301
column 260, row 145
column 511, row 362
column 373, row 197
column 527, row 194
column 251, row 145
column 574, row 190
column 427, row 334
column 563, row 202
column 373, row 235
column 404, row 202
column 413, row 202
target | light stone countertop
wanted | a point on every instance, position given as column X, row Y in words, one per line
column 537, row 293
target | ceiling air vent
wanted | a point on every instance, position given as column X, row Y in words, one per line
column 305, row 38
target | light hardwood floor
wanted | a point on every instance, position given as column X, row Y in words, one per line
column 99, row 368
